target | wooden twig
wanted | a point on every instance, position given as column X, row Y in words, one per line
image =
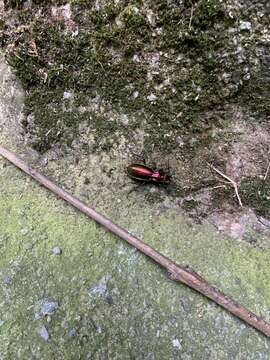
column 178, row 273
column 230, row 180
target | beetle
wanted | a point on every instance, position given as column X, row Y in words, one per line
column 144, row 173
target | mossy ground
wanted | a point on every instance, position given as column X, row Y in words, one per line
column 100, row 58
column 174, row 51
column 256, row 192
column 193, row 59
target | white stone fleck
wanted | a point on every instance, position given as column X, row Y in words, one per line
column 154, row 61
column 247, row 76
column 119, row 22
column 67, row 95
column 136, row 58
column 176, row 344
column 75, row 32
column 166, row 82
column 226, row 77
column 152, row 97
column 245, row 25
column 159, row 30
column 151, row 17
column 57, row 250
column 179, row 141
column 135, row 94
column 43, row 332
column 24, row 231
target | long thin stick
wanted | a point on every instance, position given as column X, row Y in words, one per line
column 177, row 272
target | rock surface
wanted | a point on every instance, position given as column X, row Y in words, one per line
column 101, row 299
column 150, row 316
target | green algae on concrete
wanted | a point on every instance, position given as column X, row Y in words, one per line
column 113, row 302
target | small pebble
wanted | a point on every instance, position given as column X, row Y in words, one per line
column 72, row 333
column 44, row 308
column 49, row 307
column 75, row 32
column 99, row 289
column 151, row 17
column 44, row 161
column 57, row 250
column 152, row 97
column 24, row 231
column 135, row 94
column 67, row 95
column 43, row 332
column 7, row 280
column 176, row 344
column 97, row 99
column 179, row 141
column 166, row 82
column 173, row 321
column 102, row 290
column 2, row 322
column 136, row 58
column 245, row 25
column 185, row 304
column 246, row 77
column 118, row 22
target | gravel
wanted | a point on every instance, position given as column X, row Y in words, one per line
column 43, row 332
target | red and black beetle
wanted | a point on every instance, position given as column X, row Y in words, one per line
column 144, row 173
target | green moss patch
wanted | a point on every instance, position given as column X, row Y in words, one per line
column 174, row 52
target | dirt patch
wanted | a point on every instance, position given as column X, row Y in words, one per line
column 246, row 153
column 244, row 225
